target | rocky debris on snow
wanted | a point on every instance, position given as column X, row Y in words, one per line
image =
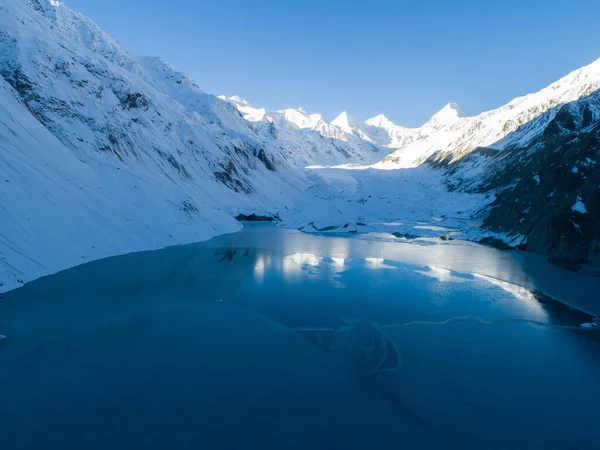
column 256, row 218
column 405, row 235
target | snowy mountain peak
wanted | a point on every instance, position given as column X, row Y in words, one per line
column 380, row 121
column 448, row 114
column 345, row 122
column 300, row 118
column 234, row 99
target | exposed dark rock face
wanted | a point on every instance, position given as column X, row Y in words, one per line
column 134, row 101
column 189, row 207
column 323, row 229
column 404, row 235
column 20, row 82
column 230, row 177
column 262, row 156
column 545, row 211
column 496, row 243
column 255, row 218
column 548, row 191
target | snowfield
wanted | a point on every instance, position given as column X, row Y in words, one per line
column 412, row 202
column 103, row 152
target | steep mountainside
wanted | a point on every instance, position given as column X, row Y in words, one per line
column 57, row 211
column 160, row 161
column 97, row 98
column 549, row 188
column 102, row 152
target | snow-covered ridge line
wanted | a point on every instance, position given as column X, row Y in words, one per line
column 448, row 131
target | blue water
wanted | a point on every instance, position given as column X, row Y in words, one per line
column 274, row 339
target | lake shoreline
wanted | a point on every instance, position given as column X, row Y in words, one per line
column 424, row 242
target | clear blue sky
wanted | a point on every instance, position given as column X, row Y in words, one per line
column 402, row 58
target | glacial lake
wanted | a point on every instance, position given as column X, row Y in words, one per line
column 274, row 339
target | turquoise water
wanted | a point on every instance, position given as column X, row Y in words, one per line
column 274, row 339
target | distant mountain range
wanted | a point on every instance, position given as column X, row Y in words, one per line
column 104, row 152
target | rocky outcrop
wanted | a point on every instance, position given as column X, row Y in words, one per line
column 548, row 191
column 253, row 217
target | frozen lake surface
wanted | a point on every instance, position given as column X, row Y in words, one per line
column 275, row 339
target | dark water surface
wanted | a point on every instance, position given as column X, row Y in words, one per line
column 274, row 339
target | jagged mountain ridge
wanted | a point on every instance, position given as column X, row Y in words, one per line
column 447, row 131
column 103, row 97
column 512, row 124
column 308, row 139
column 450, row 133
column 96, row 96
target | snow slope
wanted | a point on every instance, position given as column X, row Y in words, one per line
column 57, row 211
column 103, row 153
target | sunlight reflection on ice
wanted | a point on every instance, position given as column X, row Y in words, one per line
column 377, row 263
column 519, row 292
column 338, row 262
column 293, row 264
column 304, row 258
column 259, row 268
column 444, row 275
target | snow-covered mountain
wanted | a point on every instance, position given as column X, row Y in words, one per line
column 152, row 159
column 104, row 152
column 307, row 139
column 451, row 134
column 547, row 185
